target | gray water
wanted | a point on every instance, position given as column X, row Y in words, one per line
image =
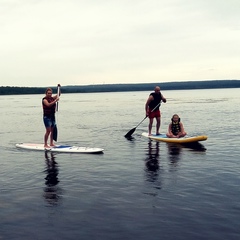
column 137, row 189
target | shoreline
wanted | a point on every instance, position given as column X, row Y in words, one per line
column 187, row 85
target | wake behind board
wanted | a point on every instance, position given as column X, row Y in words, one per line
column 59, row 148
column 164, row 138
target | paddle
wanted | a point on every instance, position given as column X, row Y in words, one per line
column 133, row 130
column 55, row 130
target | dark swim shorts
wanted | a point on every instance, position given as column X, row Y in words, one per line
column 48, row 122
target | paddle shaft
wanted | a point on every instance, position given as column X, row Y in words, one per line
column 55, row 130
column 147, row 116
column 133, row 130
column 58, row 94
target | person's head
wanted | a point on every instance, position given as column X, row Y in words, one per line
column 48, row 92
column 157, row 89
column 175, row 118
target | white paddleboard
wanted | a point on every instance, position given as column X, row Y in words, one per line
column 59, row 148
column 164, row 138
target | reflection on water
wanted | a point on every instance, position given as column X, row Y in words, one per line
column 152, row 161
column 174, row 153
column 51, row 191
column 175, row 150
column 196, row 146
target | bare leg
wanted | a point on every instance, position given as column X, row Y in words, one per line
column 170, row 135
column 158, row 125
column 182, row 134
column 51, row 137
column 150, row 126
column 48, row 130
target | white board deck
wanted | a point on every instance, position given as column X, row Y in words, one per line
column 164, row 138
column 59, row 148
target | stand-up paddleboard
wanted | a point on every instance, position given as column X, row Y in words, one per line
column 164, row 138
column 59, row 148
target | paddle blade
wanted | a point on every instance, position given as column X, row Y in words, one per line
column 130, row 133
column 55, row 132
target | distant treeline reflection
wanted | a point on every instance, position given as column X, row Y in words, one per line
column 125, row 87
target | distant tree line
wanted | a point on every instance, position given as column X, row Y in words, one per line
column 125, row 87
column 20, row 90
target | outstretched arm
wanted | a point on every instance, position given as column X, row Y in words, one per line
column 163, row 99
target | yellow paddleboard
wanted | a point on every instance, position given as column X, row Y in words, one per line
column 164, row 138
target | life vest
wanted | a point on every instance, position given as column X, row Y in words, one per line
column 49, row 111
column 176, row 128
column 157, row 97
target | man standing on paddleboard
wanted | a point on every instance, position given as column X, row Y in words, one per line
column 49, row 109
column 152, row 109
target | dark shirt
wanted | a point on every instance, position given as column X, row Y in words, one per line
column 157, row 97
column 49, row 111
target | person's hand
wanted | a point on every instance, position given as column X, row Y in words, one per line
column 164, row 100
column 57, row 99
column 59, row 85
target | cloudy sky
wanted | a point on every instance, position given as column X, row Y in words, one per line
column 76, row 42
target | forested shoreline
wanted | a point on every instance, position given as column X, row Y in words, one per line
column 188, row 85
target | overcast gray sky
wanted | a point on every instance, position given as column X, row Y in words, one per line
column 75, row 42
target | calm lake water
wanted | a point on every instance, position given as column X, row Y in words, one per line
column 137, row 189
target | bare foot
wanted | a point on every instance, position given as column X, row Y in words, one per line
column 46, row 146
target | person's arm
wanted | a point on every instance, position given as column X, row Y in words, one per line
column 170, row 129
column 147, row 104
column 46, row 103
column 163, row 98
column 169, row 133
column 182, row 128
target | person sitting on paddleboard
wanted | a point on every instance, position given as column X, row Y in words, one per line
column 49, row 108
column 152, row 109
column 175, row 128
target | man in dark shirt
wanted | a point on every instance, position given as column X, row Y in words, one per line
column 152, row 109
